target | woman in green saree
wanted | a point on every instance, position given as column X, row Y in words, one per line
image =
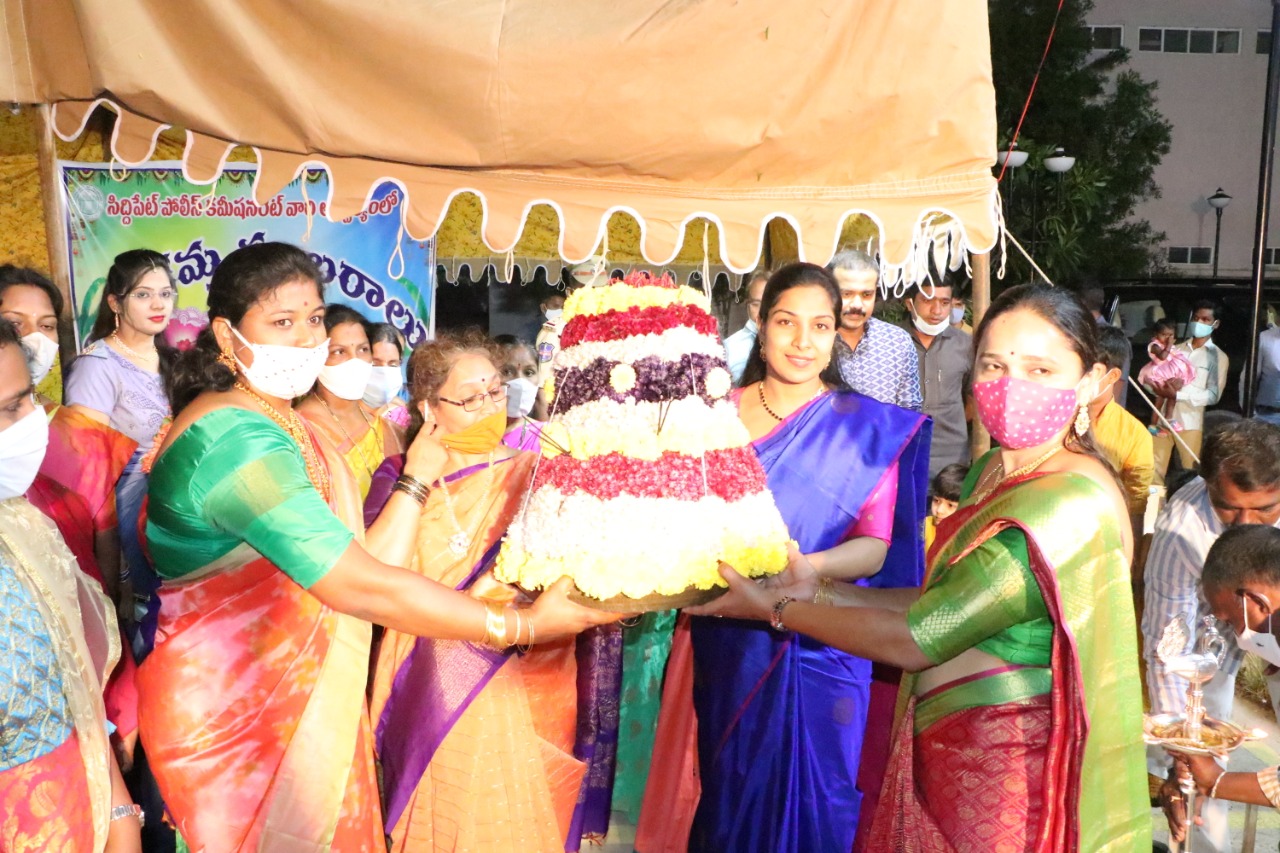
column 252, row 705
column 1022, row 719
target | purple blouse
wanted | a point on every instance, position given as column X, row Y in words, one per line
column 133, row 399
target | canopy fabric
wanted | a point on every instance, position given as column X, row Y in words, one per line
column 736, row 111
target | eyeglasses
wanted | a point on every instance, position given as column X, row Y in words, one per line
column 148, row 295
column 473, row 404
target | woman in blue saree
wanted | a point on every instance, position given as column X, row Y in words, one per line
column 781, row 718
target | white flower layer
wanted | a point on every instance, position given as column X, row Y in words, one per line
column 688, row 426
column 637, row 546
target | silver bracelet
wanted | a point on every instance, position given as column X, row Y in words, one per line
column 1213, row 792
column 131, row 810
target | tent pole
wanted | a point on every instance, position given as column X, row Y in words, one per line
column 1265, row 168
column 55, row 228
column 980, row 440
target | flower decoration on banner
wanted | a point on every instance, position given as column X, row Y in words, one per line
column 647, row 478
column 184, row 326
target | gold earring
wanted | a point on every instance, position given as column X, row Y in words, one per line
column 1082, row 421
column 227, row 360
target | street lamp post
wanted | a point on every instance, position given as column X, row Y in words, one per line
column 1217, row 201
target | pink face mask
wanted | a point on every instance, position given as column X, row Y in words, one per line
column 1021, row 414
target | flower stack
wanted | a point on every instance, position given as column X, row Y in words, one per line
column 647, row 479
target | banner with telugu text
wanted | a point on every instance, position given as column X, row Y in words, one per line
column 367, row 261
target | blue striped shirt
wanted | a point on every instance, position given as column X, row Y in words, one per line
column 1186, row 529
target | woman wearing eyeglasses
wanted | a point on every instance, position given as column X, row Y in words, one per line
column 476, row 749
column 119, row 379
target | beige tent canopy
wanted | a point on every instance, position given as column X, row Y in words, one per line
column 736, row 111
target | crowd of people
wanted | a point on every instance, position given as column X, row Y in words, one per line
column 250, row 602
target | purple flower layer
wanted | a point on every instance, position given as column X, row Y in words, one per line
column 657, row 380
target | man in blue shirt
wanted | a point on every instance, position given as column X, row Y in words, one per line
column 876, row 358
column 738, row 346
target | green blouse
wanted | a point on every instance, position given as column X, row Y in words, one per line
column 989, row 600
column 235, row 477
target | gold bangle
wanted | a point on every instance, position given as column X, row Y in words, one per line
column 495, row 626
column 529, row 645
column 825, row 594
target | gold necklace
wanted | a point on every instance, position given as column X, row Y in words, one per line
column 292, row 425
column 1013, row 475
column 460, row 541
column 155, row 354
column 364, row 460
column 775, row 415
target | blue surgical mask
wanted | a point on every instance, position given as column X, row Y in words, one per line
column 1201, row 330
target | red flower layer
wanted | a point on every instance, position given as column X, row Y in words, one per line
column 731, row 474
column 653, row 320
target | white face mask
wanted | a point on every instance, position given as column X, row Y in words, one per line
column 1261, row 643
column 553, row 315
column 931, row 329
column 385, row 383
column 22, row 447
column 347, row 380
column 284, row 372
column 43, row 351
column 957, row 316
column 521, row 395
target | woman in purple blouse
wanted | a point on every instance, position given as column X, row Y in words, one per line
column 119, row 380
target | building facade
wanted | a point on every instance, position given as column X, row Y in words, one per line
column 1209, row 59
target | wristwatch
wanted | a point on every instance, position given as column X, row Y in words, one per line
column 131, row 810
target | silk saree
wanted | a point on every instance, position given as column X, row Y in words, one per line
column 476, row 746
column 1043, row 758
column 61, row 640
column 252, row 706
column 781, row 718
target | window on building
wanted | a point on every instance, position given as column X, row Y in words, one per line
column 1263, row 45
column 1183, row 40
column 1150, row 39
column 1107, row 38
column 1201, row 41
column 1271, row 257
column 1190, row 255
column 1176, row 41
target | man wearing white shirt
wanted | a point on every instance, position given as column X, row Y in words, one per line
column 1267, row 405
column 738, row 346
column 1192, row 399
column 1240, row 485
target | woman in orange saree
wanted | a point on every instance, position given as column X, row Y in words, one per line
column 476, row 747
column 252, row 705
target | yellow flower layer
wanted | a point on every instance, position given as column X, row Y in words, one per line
column 688, row 426
column 619, row 297
column 637, row 546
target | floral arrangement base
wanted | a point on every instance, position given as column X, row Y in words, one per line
column 690, row 597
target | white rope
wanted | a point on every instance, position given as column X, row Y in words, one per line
column 1034, row 265
column 1168, row 426
column 397, row 254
